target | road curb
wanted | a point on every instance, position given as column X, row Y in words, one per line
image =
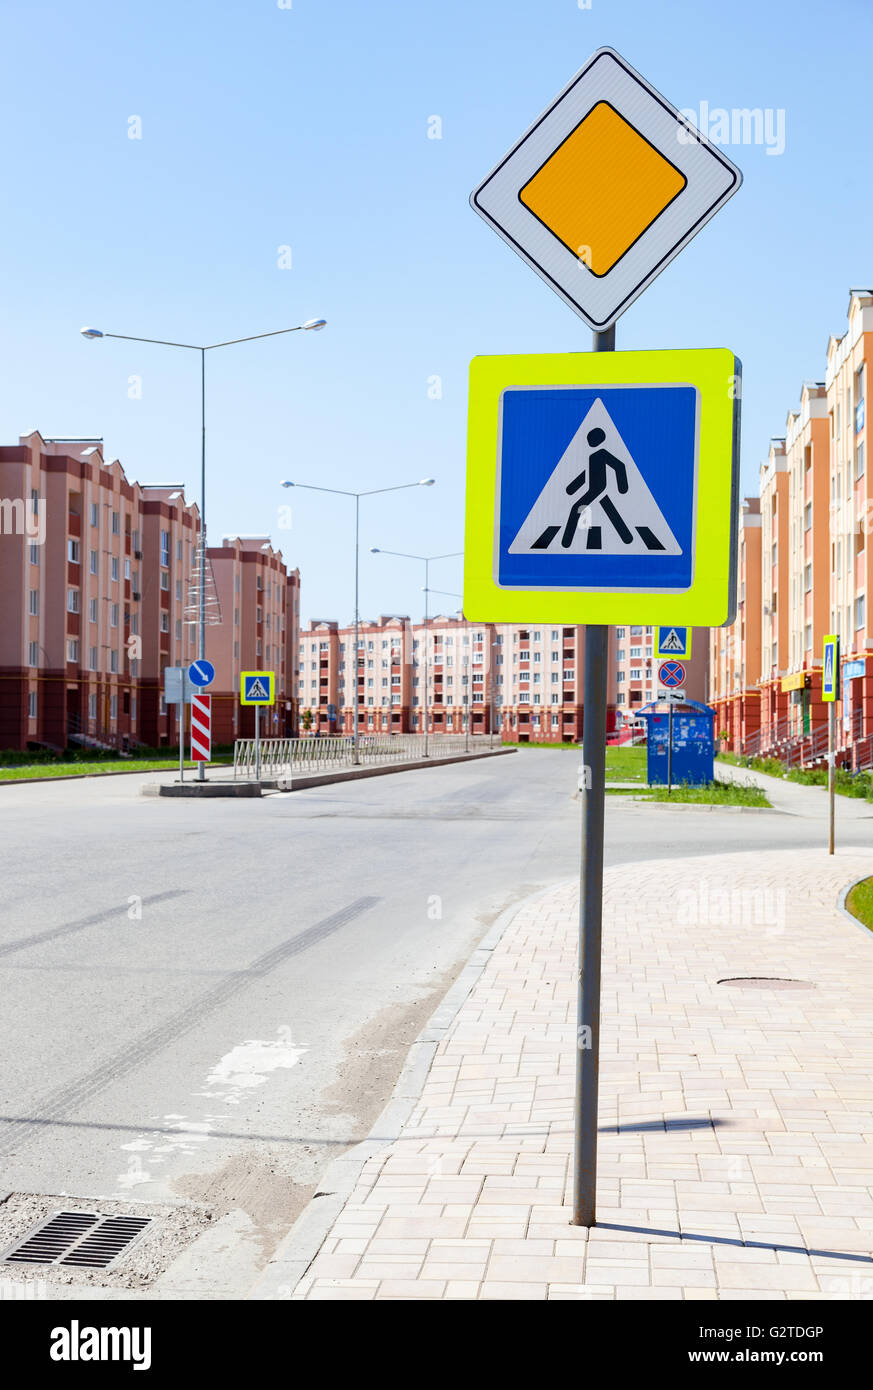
column 193, row 788
column 354, row 774
column 706, row 806
column 841, row 906
column 301, row 1245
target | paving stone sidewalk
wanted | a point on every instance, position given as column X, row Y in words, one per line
column 736, row 1139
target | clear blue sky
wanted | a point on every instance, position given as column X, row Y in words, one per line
column 264, row 127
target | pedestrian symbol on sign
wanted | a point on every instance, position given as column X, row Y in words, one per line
column 615, row 512
column 673, row 642
column 257, row 690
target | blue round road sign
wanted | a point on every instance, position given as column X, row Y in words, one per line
column 201, row 673
column 671, row 674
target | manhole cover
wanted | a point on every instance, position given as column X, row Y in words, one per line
column 765, row 982
column 85, row 1239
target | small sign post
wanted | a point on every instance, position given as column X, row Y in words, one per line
column 588, row 475
column 178, row 691
column 257, row 688
column 830, row 693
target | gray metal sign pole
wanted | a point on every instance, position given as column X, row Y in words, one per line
column 670, row 745
column 182, row 739
column 590, row 906
column 831, row 775
column 257, row 743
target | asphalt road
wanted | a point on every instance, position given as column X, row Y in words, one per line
column 208, row 1000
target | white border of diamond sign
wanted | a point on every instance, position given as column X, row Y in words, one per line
column 711, row 178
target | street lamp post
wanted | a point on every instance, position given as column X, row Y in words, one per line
column 308, row 326
column 370, row 492
column 426, row 560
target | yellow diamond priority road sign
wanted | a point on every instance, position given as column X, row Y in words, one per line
column 605, row 188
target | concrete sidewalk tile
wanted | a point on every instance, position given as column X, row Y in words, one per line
column 716, row 1126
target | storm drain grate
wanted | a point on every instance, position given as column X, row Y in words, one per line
column 85, row 1239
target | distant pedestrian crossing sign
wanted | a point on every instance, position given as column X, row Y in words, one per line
column 257, row 687
column 830, row 676
column 600, row 485
column 673, row 641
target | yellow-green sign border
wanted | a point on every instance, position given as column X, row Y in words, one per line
column 710, row 601
column 269, row 676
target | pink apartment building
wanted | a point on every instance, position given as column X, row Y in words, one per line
column 256, row 633
column 522, row 681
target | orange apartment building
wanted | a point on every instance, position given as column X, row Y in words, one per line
column 815, row 570
column 736, row 649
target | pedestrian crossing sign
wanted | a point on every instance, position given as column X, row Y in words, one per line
column 673, row 641
column 257, row 687
column 602, row 487
column 830, row 675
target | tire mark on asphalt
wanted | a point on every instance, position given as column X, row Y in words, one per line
column 69, row 1097
column 22, row 942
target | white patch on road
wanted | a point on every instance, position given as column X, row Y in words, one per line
column 230, row 1083
column 248, row 1066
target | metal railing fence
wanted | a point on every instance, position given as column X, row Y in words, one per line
column 282, row 757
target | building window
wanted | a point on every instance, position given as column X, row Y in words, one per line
column 34, row 553
column 113, row 569
column 34, row 603
column 72, row 649
column 807, row 579
column 113, row 661
column 33, row 654
column 165, row 547
column 859, row 461
column 807, row 523
column 92, row 610
column 859, row 611
column 73, row 552
column 72, row 600
column 116, row 527
column 165, row 622
column 113, row 615
column 165, row 580
column 95, row 515
column 92, row 706
column 113, row 707
column 92, row 658
column 31, row 704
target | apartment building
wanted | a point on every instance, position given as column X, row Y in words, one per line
column 100, row 579
column 851, row 509
column 250, row 631
column 78, row 608
column 636, row 668
column 518, row 680
column 812, row 529
column 735, row 651
column 169, row 535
